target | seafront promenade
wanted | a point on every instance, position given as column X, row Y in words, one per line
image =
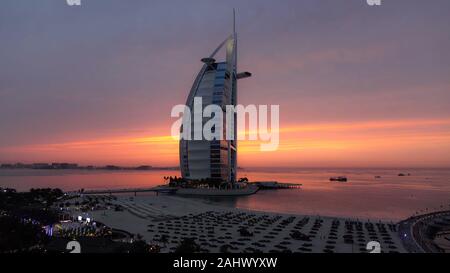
column 418, row 233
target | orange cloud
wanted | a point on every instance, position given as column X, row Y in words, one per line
column 414, row 142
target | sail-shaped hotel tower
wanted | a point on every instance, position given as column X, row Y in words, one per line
column 216, row 83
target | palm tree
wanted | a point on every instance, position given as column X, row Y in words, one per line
column 164, row 239
column 188, row 245
column 243, row 179
column 224, row 248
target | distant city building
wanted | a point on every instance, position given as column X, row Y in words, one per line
column 144, row 167
column 64, row 166
column 22, row 166
column 216, row 83
column 41, row 166
column 15, row 166
column 112, row 167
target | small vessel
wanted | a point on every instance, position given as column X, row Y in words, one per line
column 339, row 178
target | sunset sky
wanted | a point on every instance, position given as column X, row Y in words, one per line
column 358, row 86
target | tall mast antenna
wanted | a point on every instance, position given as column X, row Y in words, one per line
column 234, row 20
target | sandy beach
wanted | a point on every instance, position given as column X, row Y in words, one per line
column 165, row 220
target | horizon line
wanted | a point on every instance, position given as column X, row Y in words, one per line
column 240, row 167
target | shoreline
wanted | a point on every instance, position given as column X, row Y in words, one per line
column 390, row 198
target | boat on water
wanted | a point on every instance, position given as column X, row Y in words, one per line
column 339, row 178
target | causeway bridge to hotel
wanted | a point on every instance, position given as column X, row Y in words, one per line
column 130, row 190
column 253, row 188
